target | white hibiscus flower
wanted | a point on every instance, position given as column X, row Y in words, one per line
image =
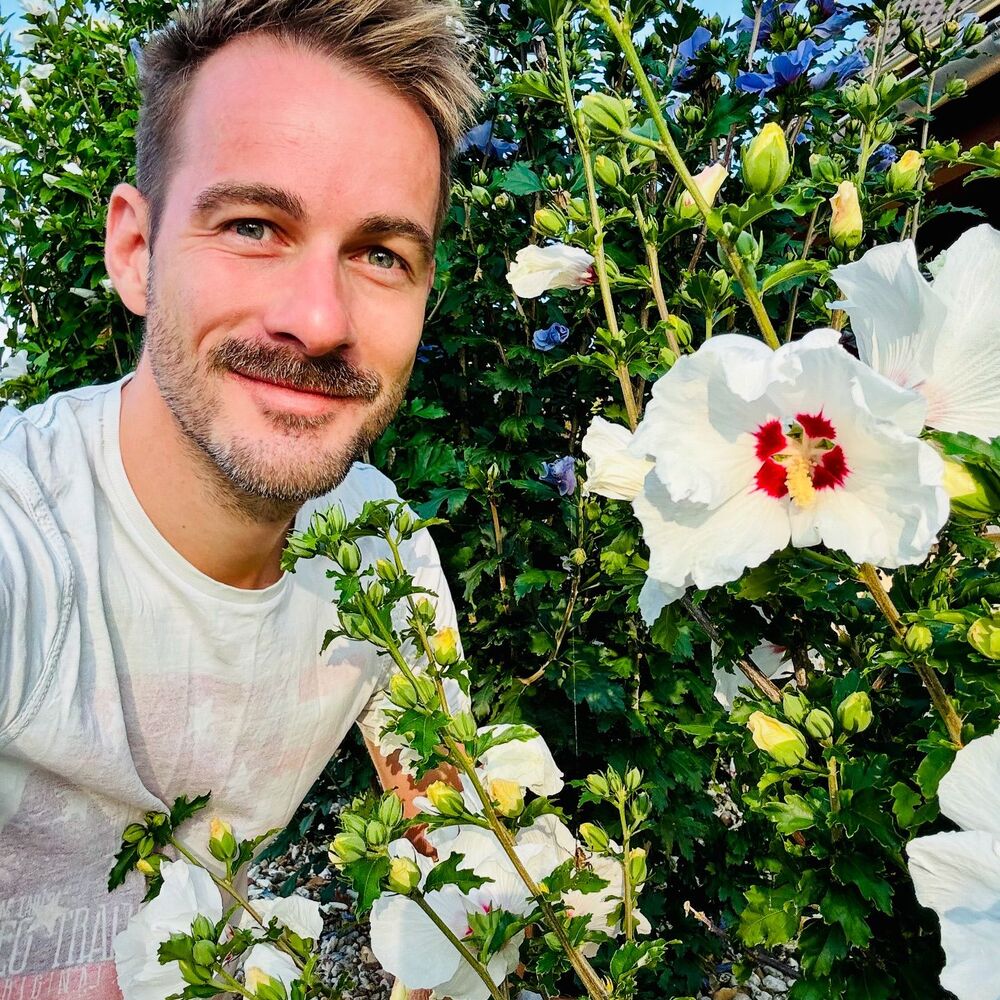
column 805, row 445
column 187, row 892
column 771, row 660
column 300, row 915
column 611, row 471
column 266, row 965
column 958, row 874
column 537, row 270
column 941, row 338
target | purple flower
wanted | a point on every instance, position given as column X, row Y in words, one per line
column 560, row 474
column 782, row 69
column 768, row 12
column 550, row 337
column 826, row 7
column 883, row 158
column 481, row 138
column 834, row 24
column 688, row 50
column 840, row 70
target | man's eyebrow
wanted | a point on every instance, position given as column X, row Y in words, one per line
column 390, row 225
column 226, row 193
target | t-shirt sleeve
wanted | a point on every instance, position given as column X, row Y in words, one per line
column 423, row 561
column 35, row 592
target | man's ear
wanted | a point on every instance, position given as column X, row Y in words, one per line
column 126, row 246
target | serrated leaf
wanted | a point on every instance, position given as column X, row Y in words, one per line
column 792, row 814
column 366, row 876
column 184, row 808
column 521, row 179
column 447, row 872
column 771, row 916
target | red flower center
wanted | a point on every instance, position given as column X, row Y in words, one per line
column 799, row 457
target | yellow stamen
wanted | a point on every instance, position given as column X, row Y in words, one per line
column 798, row 479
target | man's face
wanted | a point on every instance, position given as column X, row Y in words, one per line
column 291, row 265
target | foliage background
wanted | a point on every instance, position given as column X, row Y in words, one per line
column 547, row 584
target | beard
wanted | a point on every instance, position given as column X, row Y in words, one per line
column 265, row 475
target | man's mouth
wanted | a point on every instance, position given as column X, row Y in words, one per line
column 288, row 397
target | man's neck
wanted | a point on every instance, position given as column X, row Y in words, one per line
column 236, row 542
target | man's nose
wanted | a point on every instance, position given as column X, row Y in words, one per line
column 310, row 304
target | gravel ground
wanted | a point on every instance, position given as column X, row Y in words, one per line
column 345, row 949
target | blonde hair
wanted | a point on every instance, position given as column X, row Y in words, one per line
column 412, row 46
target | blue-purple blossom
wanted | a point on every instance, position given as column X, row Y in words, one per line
column 769, row 11
column 429, row 352
column 550, row 337
column 840, row 70
column 883, row 158
column 835, row 24
column 688, row 50
column 782, row 69
column 481, row 138
column 560, row 474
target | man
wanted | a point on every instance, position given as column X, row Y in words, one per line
column 292, row 174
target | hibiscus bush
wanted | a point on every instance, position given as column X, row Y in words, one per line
column 714, row 434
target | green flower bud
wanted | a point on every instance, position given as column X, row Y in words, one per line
column 353, row 823
column 533, row 83
column 637, row 869
column 778, row 739
column 133, row 833
column 221, row 844
column 855, row 712
column 598, row 785
column 192, row 974
column 641, row 807
column 404, row 876
column 903, row 174
column 204, row 954
column 444, row 645
column 846, row 226
column 594, row 837
column 502, row 200
column 156, row 819
column 203, row 928
column 550, row 222
column 346, row 848
column 606, row 114
column 578, row 210
column 424, row 611
column 390, row 810
column 607, row 171
column 552, row 181
column 750, row 249
column 973, row 34
column 823, row 169
column 795, row 707
column 376, row 593
column 974, row 490
column 385, row 569
column 819, row 724
column 446, row 799
column 480, row 195
column 984, row 636
column 578, row 557
column 918, row 639
column 146, row 847
column 349, row 557
column 150, row 867
column 766, row 161
column 633, row 779
column 480, row 177
column 376, row 834
column 463, row 726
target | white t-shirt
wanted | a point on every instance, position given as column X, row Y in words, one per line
column 128, row 678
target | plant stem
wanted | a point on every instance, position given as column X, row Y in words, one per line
column 924, row 133
column 833, row 785
column 628, row 916
column 600, row 259
column 868, row 575
column 708, row 326
column 806, row 247
column 220, row 882
column 477, row 966
column 669, row 148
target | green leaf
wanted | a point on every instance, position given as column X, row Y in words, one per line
column 845, row 907
column 184, row 808
column 791, row 815
column 536, row 579
column 791, row 270
column 865, row 873
column 772, row 916
column 932, row 769
column 448, row 873
column 521, row 179
column 820, row 947
column 905, row 802
column 366, row 876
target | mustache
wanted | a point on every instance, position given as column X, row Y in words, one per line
column 328, row 374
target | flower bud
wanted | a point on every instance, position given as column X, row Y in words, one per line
column 607, row 171
column 385, row 569
column 349, row 557
column 578, row 557
column 508, row 797
column 133, row 833
column 502, row 200
column 594, row 837
column 550, row 222
column 533, row 83
column 637, row 869
column 203, row 928
column 190, row 973
column 795, row 707
column 955, row 88
column 403, row 522
column 150, row 866
column 221, row 844
column 444, row 645
column 463, row 726
column 749, row 249
column 984, row 636
column 855, row 712
column 446, row 799
column 597, row 784
column 819, row 724
column 404, row 876
column 641, row 807
column 390, row 810
column 480, row 195
column 778, row 739
column 578, row 210
column 346, row 848
column 204, row 954
column 845, row 223
column 402, row 691
column 902, row 175
column 822, row 168
column 376, row 833
column 766, row 162
column 424, row 611
column 973, row 34
column 263, row 985
column 974, row 490
column 353, row 823
column 376, row 593
column 605, row 113
column 708, row 182
column 633, row 779
column 918, row 639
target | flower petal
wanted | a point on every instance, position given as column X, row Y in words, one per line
column 611, row 471
column 958, row 876
column 969, row 793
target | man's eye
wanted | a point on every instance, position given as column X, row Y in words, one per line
column 251, row 229
column 383, row 258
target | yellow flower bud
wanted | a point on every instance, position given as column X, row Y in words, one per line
column 550, row 222
column 766, row 161
column 974, row 490
column 984, row 636
column 221, row 843
column 708, row 182
column 846, row 226
column 404, row 876
column 778, row 739
column 508, row 796
column 902, row 175
column 446, row 799
column 607, row 114
column 445, row 646
column 257, row 977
